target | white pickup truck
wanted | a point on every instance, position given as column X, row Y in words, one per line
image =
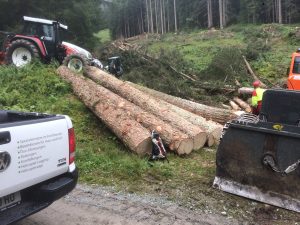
column 37, row 167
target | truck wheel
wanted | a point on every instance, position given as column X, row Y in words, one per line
column 21, row 52
column 75, row 62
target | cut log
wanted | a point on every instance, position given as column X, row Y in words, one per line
column 234, row 106
column 129, row 131
column 147, row 103
column 245, row 90
column 242, row 104
column 210, row 113
column 212, row 129
column 172, row 137
column 175, row 139
column 226, row 106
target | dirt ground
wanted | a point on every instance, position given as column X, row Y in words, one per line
column 88, row 205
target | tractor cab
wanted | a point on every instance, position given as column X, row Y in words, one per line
column 48, row 31
column 294, row 72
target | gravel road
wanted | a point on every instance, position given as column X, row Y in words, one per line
column 88, row 205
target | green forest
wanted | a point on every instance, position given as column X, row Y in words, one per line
column 126, row 18
column 132, row 17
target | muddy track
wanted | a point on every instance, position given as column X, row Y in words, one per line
column 88, row 205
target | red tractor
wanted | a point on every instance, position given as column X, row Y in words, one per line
column 42, row 39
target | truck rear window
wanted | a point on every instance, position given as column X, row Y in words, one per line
column 296, row 68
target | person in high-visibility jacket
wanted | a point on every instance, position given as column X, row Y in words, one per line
column 257, row 96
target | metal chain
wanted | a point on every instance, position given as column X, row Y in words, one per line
column 269, row 161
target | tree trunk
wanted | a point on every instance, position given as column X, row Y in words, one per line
column 148, row 104
column 175, row 16
column 245, row 90
column 161, row 17
column 148, row 18
column 221, row 13
column 279, row 12
column 210, row 113
column 245, row 106
column 156, row 16
column 129, row 131
column 212, row 129
column 234, row 106
column 276, row 10
column 142, row 21
column 168, row 16
column 164, row 17
column 151, row 16
column 226, row 106
column 224, row 12
column 209, row 14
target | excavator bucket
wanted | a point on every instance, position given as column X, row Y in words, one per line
column 259, row 156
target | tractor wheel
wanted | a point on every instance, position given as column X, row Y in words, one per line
column 21, row 52
column 75, row 62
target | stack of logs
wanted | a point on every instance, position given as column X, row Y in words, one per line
column 237, row 103
column 133, row 111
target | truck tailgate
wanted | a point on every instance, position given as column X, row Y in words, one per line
column 37, row 151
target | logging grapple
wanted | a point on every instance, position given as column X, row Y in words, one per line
column 259, row 156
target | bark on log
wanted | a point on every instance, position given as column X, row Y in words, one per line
column 244, row 105
column 210, row 113
column 148, row 103
column 234, row 106
column 132, row 133
column 245, row 90
column 212, row 129
column 226, row 106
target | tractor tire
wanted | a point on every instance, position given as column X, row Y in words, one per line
column 21, row 52
column 75, row 62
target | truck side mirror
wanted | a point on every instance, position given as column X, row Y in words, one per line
column 288, row 71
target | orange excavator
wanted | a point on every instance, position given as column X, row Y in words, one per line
column 293, row 71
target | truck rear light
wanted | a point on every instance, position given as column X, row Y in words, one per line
column 72, row 145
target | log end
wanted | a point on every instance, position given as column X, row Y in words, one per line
column 210, row 140
column 144, row 147
column 199, row 140
column 185, row 146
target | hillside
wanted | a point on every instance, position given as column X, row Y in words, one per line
column 212, row 57
column 205, row 55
